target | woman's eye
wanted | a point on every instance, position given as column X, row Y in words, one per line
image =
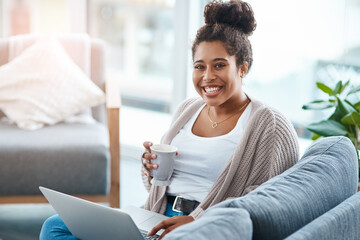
column 220, row 65
column 199, row 67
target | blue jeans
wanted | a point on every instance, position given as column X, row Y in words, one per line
column 55, row 228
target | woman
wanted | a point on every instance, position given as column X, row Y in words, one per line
column 228, row 142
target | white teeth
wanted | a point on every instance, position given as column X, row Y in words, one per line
column 212, row 89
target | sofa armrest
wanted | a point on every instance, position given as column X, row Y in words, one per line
column 341, row 222
column 113, row 104
column 113, row 100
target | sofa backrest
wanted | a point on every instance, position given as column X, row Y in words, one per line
column 340, row 223
column 98, row 74
column 326, row 175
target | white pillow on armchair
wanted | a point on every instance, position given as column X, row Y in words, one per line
column 44, row 86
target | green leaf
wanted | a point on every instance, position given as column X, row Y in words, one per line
column 344, row 86
column 351, row 105
column 324, row 88
column 354, row 90
column 337, row 88
column 342, row 109
column 357, row 106
column 318, row 105
column 328, row 128
column 352, row 118
column 315, row 136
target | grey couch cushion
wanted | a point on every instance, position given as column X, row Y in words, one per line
column 213, row 225
column 326, row 175
column 340, row 223
column 71, row 158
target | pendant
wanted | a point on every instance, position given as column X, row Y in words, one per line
column 214, row 125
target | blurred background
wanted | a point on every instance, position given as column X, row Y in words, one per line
column 296, row 43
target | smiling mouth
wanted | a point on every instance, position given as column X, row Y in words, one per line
column 212, row 89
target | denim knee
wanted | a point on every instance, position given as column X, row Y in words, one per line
column 55, row 228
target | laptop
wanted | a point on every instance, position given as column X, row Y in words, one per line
column 87, row 220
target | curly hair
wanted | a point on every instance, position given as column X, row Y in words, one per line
column 231, row 23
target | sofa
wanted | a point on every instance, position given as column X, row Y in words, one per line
column 315, row 199
column 76, row 157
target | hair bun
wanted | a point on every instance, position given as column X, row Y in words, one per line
column 235, row 13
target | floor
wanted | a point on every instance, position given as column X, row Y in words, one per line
column 23, row 221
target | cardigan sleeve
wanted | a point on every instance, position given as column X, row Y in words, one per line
column 286, row 149
column 146, row 180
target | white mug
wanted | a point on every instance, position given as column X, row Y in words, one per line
column 165, row 161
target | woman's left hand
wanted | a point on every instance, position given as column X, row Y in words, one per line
column 170, row 224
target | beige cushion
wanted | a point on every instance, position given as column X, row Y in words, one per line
column 77, row 46
column 44, row 86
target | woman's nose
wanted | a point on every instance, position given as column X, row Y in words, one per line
column 209, row 75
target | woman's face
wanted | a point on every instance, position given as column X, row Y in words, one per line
column 215, row 75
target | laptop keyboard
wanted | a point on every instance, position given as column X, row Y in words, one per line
column 144, row 233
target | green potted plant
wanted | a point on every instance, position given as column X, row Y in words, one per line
column 345, row 118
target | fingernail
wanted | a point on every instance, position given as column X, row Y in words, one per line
column 156, row 166
column 153, row 155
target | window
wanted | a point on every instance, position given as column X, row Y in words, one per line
column 297, row 43
column 42, row 16
column 140, row 37
column 148, row 47
column 149, row 52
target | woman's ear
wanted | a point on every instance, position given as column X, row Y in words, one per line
column 243, row 69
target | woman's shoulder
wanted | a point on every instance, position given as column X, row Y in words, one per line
column 191, row 101
column 265, row 118
column 187, row 103
column 263, row 111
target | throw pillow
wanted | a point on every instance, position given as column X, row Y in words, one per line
column 44, row 86
column 224, row 223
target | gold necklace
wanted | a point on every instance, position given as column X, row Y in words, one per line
column 215, row 124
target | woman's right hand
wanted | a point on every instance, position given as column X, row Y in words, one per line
column 146, row 159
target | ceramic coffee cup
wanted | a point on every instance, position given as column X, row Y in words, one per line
column 165, row 161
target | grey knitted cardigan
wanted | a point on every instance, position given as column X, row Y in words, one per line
column 267, row 147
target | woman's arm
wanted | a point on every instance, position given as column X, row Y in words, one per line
column 286, row 146
column 284, row 151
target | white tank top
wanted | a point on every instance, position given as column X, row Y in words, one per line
column 202, row 159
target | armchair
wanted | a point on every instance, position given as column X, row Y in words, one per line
column 79, row 159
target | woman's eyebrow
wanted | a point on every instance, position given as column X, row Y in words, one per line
column 197, row 61
column 215, row 60
column 220, row 59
